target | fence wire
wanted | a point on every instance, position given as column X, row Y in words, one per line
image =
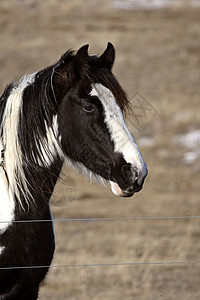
column 102, row 264
column 100, row 219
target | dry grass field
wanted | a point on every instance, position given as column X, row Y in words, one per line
column 158, row 59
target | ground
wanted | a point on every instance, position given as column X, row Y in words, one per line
column 158, row 65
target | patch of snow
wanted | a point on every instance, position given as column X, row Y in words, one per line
column 189, row 140
column 151, row 4
column 191, row 156
column 195, row 3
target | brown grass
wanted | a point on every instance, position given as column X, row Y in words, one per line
column 158, row 55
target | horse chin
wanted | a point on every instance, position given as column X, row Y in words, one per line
column 118, row 191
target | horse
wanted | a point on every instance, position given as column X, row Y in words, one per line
column 70, row 112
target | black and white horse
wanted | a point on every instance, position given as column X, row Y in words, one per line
column 69, row 112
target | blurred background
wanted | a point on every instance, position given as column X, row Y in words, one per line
column 158, row 64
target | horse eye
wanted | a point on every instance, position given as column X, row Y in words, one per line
column 88, row 108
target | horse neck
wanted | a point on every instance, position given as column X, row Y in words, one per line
column 41, row 183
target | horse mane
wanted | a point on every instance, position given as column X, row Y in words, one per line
column 28, row 134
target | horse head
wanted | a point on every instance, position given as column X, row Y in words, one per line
column 92, row 131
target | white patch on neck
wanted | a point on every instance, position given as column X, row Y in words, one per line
column 1, row 250
column 120, row 135
column 7, row 204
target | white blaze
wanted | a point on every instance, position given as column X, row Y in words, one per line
column 6, row 203
column 123, row 141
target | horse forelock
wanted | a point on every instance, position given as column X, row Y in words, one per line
column 98, row 73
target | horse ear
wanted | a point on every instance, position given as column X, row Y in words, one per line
column 81, row 59
column 108, row 56
column 82, row 52
column 70, row 68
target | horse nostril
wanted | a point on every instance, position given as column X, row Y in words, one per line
column 135, row 173
column 130, row 173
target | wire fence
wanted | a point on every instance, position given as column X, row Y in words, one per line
column 100, row 219
column 102, row 264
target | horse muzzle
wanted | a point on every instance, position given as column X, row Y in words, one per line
column 128, row 181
